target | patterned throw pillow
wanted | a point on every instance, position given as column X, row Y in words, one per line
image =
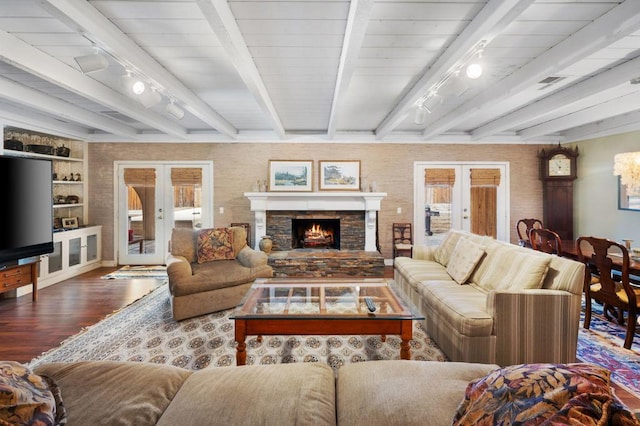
column 546, row 394
column 215, row 244
column 26, row 398
column 463, row 260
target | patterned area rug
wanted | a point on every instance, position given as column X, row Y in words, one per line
column 146, row 332
column 157, row 272
column 602, row 345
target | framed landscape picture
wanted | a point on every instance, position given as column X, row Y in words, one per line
column 340, row 175
column 290, row 175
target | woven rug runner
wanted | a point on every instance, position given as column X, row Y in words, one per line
column 146, row 332
column 145, row 271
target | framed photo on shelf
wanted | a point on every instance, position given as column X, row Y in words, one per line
column 340, row 175
column 69, row 222
column 290, row 175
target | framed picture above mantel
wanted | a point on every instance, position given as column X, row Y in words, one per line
column 339, row 175
column 290, row 175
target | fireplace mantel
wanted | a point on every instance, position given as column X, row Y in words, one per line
column 369, row 202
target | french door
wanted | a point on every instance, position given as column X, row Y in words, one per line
column 471, row 196
column 153, row 198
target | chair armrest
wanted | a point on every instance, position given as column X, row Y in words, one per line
column 423, row 252
column 178, row 269
column 533, row 326
column 251, row 258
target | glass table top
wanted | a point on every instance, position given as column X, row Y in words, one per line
column 337, row 298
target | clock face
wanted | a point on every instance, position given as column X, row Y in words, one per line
column 559, row 165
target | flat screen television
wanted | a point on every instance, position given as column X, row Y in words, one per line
column 26, row 221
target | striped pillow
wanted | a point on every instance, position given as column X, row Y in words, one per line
column 463, row 260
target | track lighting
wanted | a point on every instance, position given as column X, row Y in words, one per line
column 175, row 110
column 474, row 70
column 431, row 102
column 150, row 98
column 138, row 87
column 91, row 63
column 456, row 84
column 421, row 115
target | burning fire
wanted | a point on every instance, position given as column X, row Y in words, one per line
column 315, row 235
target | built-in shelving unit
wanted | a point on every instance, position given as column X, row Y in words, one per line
column 75, row 250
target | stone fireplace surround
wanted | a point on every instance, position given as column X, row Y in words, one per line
column 347, row 205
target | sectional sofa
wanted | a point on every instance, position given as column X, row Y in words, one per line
column 367, row 393
column 489, row 301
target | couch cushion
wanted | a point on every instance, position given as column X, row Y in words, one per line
column 281, row 394
column 442, row 254
column 27, row 398
column 415, row 270
column 212, row 276
column 183, row 243
column 543, row 394
column 461, row 306
column 402, row 392
column 115, row 393
column 506, row 266
column 215, row 244
column 239, row 239
column 464, row 258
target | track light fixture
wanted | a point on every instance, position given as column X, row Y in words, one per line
column 149, row 98
column 91, row 63
column 175, row 110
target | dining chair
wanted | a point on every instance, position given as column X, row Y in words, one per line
column 607, row 257
column 523, row 227
column 402, row 239
column 545, row 240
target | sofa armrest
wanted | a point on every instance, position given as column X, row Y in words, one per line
column 423, row 252
column 251, row 258
column 534, row 326
column 178, row 268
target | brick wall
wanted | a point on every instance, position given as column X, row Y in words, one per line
column 237, row 166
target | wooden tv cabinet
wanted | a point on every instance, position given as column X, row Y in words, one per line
column 13, row 277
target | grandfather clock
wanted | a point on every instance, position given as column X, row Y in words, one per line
column 557, row 172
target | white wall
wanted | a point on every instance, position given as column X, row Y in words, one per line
column 596, row 190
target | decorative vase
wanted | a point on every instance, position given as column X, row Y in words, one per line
column 266, row 244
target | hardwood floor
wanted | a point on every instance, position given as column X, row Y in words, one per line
column 28, row 329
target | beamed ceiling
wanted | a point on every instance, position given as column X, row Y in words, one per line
column 294, row 71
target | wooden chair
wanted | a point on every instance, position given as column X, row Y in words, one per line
column 597, row 253
column 545, row 240
column 402, row 239
column 523, row 227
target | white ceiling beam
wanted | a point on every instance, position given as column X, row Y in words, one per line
column 629, row 122
column 221, row 20
column 107, row 36
column 619, row 22
column 26, row 57
column 40, row 101
column 562, row 98
column 27, row 119
column 491, row 20
column 359, row 14
column 611, row 108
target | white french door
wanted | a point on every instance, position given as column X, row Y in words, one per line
column 153, row 198
column 470, row 196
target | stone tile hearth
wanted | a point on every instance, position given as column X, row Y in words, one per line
column 315, row 263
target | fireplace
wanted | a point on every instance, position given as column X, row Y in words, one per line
column 315, row 233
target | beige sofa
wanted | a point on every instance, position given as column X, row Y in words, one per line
column 367, row 393
column 201, row 288
column 514, row 305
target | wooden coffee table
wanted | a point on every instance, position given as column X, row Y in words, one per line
column 306, row 306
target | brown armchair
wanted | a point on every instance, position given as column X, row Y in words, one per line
column 211, row 286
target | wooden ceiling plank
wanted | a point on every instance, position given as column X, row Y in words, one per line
column 359, row 13
column 619, row 22
column 493, row 18
column 36, row 62
column 562, row 98
column 223, row 23
column 99, row 29
column 42, row 102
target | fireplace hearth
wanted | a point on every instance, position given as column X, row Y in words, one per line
column 315, row 233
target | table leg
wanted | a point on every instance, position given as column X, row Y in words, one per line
column 241, row 349
column 407, row 334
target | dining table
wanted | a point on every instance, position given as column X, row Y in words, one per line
column 569, row 249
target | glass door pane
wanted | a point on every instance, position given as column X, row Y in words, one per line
column 186, row 183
